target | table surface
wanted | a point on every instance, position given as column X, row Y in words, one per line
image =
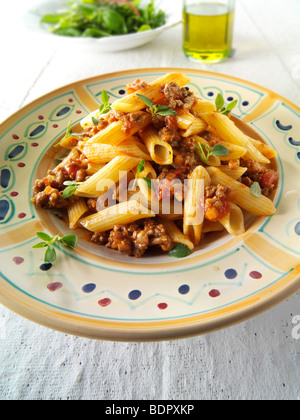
column 257, row 359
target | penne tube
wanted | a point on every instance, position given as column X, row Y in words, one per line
column 120, row 214
column 78, row 209
column 103, row 153
column 93, row 168
column 226, row 130
column 194, row 204
column 184, row 119
column 201, row 106
column 210, row 226
column 234, row 222
column 213, row 160
column 266, row 150
column 176, row 235
column 236, row 152
column 259, row 206
column 160, row 151
column 107, row 177
column 197, row 127
column 132, row 103
column 233, row 173
column 114, row 134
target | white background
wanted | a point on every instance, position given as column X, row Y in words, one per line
column 258, row 359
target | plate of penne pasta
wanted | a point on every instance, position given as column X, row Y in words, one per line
column 150, row 204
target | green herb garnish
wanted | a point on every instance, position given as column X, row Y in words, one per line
column 256, row 189
column 104, row 108
column 206, row 152
column 70, row 241
column 103, row 18
column 148, row 182
column 71, row 188
column 220, row 105
column 163, row 110
column 139, row 170
column 180, row 251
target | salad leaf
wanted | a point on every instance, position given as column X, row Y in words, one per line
column 102, row 18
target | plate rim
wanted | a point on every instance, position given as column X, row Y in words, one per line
column 104, row 330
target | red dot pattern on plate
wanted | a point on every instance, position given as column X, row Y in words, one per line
column 41, row 117
column 15, row 137
column 104, row 302
column 34, row 144
column 18, row 260
column 14, row 194
column 55, row 126
column 78, row 112
column 214, row 293
column 52, row 287
column 21, row 215
column 256, row 275
column 21, row 165
column 162, row 306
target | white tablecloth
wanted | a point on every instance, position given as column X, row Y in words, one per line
column 258, row 359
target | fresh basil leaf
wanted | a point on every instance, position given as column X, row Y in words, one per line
column 50, row 255
column 180, row 251
column 167, row 112
column 69, row 191
column 148, row 182
column 202, row 154
column 219, row 150
column 256, row 189
column 146, row 100
column 140, row 167
column 219, row 102
column 70, row 240
column 43, row 236
column 40, row 245
column 105, row 97
column 95, row 120
column 232, row 105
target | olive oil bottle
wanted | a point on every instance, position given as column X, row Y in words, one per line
column 208, row 29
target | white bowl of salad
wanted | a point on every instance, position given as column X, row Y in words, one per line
column 113, row 25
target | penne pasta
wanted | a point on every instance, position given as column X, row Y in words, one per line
column 78, row 209
column 160, row 151
column 114, row 134
column 184, row 119
column 201, row 106
column 107, row 177
column 194, row 205
column 213, row 160
column 159, row 170
column 266, row 150
column 132, row 103
column 259, row 206
column 233, row 222
column 123, row 213
column 197, row 127
column 103, row 153
column 225, row 129
column 236, row 173
column 176, row 235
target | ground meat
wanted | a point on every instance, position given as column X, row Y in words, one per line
column 178, row 97
column 217, row 202
column 138, row 84
column 186, row 156
column 51, row 198
column 257, row 172
column 134, row 239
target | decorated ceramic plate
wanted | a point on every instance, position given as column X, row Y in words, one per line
column 96, row 292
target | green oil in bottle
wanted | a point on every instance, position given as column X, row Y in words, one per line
column 208, row 31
